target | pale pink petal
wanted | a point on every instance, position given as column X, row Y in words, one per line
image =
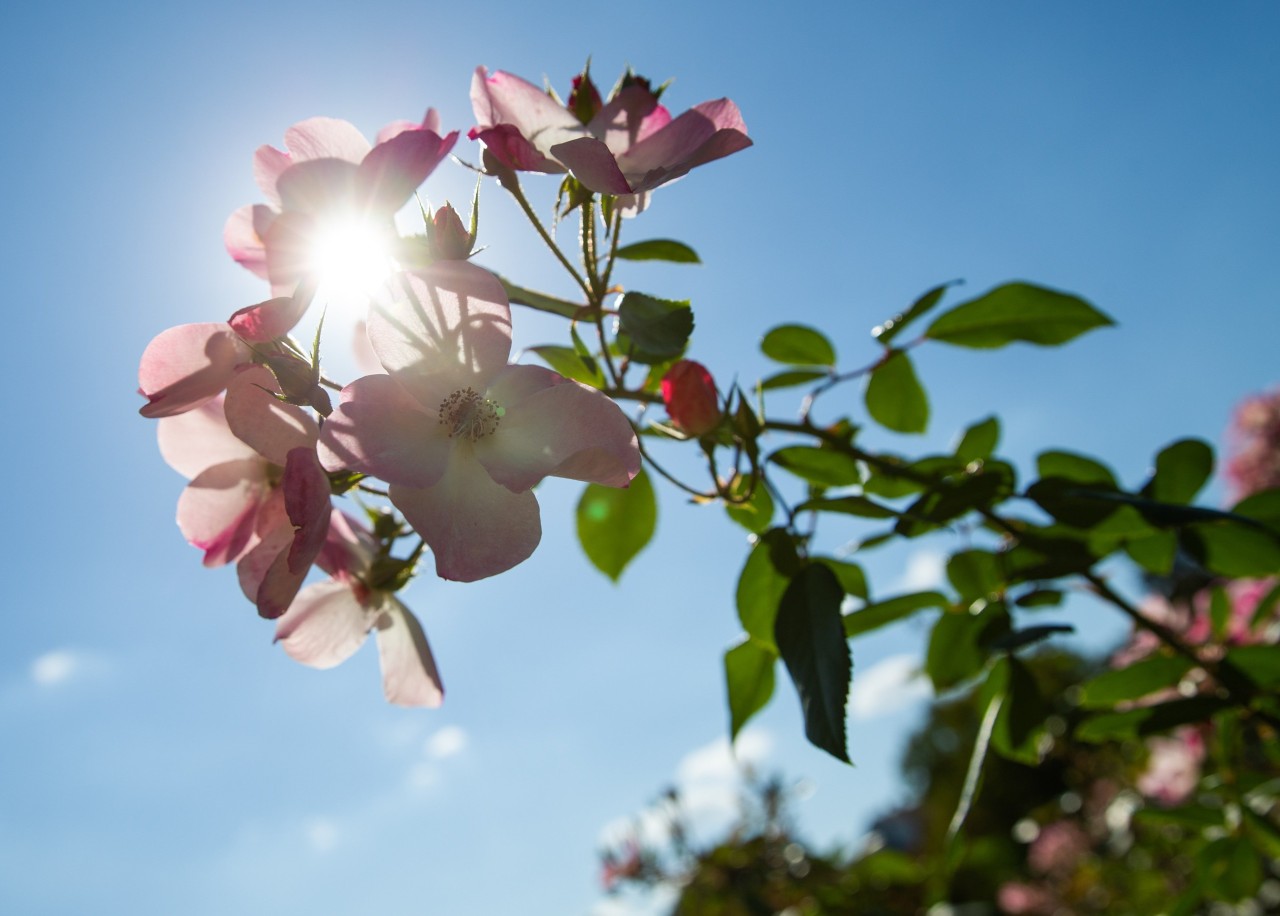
column 565, row 430
column 279, row 585
column 269, row 164
column 629, row 117
column 441, row 329
column 502, row 98
column 325, row 138
column 307, row 500
column 273, row 533
column 348, row 547
column 475, row 527
column 290, row 247
column 708, row 131
column 513, row 150
column 409, row 673
column 592, row 164
column 380, row 429
column 324, row 626
column 185, row 366
column 392, row 171
column 242, row 239
column 320, row 186
column 431, row 122
column 268, row 320
column 198, row 439
column 362, row 351
column 218, row 510
column 269, row 426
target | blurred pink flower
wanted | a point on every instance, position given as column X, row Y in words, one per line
column 629, row 146
column 1057, row 848
column 1014, row 897
column 1173, row 767
column 1255, row 445
column 460, row 435
column 327, row 622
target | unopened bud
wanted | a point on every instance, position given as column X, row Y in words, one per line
column 584, row 99
column 450, row 240
column 689, row 392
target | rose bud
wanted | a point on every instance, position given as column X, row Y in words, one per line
column 689, row 392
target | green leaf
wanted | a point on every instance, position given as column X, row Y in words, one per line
column 951, row 499
column 540, row 301
column 749, row 681
column 1262, row 507
column 1261, row 664
column 824, row 467
column 848, row 505
column 1135, row 681
column 882, row 613
column 1182, row 469
column 1219, row 612
column 1229, row 548
column 959, row 643
column 850, row 575
column 1020, row 721
column 1041, row 597
column 810, row 639
column 1230, row 868
column 1149, row 720
column 756, row 514
column 1029, row 636
column 1017, row 312
column 798, row 345
column 885, row 333
column 764, row 577
column 614, row 524
column 1076, row 468
column 1265, row 609
column 979, row 440
column 1154, row 553
column 568, row 363
column 659, row 328
column 975, row 574
column 895, row 398
column 659, row 250
column 791, row 378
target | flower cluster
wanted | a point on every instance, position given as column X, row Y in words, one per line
column 445, row 427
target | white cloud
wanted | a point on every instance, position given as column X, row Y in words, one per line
column 55, row 668
column 890, row 685
column 321, row 833
column 446, row 742
column 926, row 569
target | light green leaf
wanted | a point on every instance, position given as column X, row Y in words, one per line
column 1182, row 469
column 659, row 250
column 614, row 524
column 885, row 333
column 824, row 467
column 749, row 681
column 1017, row 312
column 798, row 345
column 895, row 398
column 979, row 440
column 1134, row 681
column 882, row 613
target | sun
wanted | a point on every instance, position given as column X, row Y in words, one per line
column 351, row 258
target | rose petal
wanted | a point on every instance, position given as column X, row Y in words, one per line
column 592, row 164
column 565, row 429
column 392, row 171
column 198, row 439
column 268, row 426
column 242, row 240
column 324, row 626
column 475, row 527
column 268, row 320
column 707, row 131
column 441, row 329
column 501, row 98
column 409, row 673
column 431, row 122
column 185, row 366
column 513, row 150
column 629, row 117
column 320, row 186
column 348, row 547
column 269, row 164
column 326, row 138
column 307, row 500
column 218, row 510
column 379, row 429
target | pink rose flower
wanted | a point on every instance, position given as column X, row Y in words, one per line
column 460, row 435
column 329, row 621
column 1173, row 767
column 257, row 493
column 329, row 172
column 689, row 392
column 629, row 146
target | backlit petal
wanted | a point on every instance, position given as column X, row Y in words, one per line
column 269, row 426
column 198, row 439
column 326, row 138
column 218, row 510
column 185, row 366
column 324, row 626
column 409, row 673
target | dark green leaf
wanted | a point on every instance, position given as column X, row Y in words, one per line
column 850, row 575
column 543, row 303
column 614, row 524
column 756, row 513
column 810, row 639
column 1265, row 609
column 979, row 440
column 1261, row 664
column 659, row 328
column 1149, row 720
column 659, row 250
column 1231, row 549
column 764, row 578
column 959, row 643
column 1154, row 553
column 798, row 345
column 952, row 499
column 1022, row 712
column 1017, row 311
column 1029, row 636
column 885, row 333
column 791, row 378
column 874, row 616
column 848, row 505
column 1063, row 499
column 1219, row 612
column 975, row 574
column 1135, row 681
column 1182, row 469
column 895, row 398
column 1193, row 817
column 1073, row 467
column 1230, row 868
column 1038, row 598
column 748, row 676
column 824, row 467
column 568, row 363
column 1263, row 507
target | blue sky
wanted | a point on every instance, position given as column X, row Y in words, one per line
column 162, row 757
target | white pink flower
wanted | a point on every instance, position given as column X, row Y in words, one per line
column 330, row 620
column 629, row 146
column 460, row 435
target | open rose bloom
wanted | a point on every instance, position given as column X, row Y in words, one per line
column 460, row 435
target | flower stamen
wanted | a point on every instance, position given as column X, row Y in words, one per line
column 467, row 415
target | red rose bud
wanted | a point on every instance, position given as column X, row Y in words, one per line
column 450, row 240
column 689, row 392
column 584, row 99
